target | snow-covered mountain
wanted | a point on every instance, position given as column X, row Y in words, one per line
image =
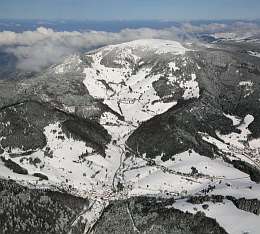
column 149, row 118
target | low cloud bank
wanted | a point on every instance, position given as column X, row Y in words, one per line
column 43, row 47
column 40, row 48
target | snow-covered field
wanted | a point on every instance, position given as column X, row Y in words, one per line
column 240, row 145
column 233, row 220
column 239, row 139
column 62, row 162
column 255, row 54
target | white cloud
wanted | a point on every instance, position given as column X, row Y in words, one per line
column 43, row 47
column 206, row 28
column 40, row 48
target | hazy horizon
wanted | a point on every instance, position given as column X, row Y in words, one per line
column 127, row 10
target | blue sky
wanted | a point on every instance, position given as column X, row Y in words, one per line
column 130, row 9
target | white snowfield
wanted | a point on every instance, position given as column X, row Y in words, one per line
column 233, row 220
column 239, row 144
column 254, row 53
column 155, row 45
column 239, row 139
column 176, row 179
column 132, row 95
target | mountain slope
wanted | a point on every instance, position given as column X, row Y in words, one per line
column 145, row 118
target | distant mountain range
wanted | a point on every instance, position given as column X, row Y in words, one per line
column 111, row 26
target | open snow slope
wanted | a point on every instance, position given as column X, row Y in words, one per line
column 119, row 75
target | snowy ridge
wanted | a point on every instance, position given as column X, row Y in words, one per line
column 155, row 45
